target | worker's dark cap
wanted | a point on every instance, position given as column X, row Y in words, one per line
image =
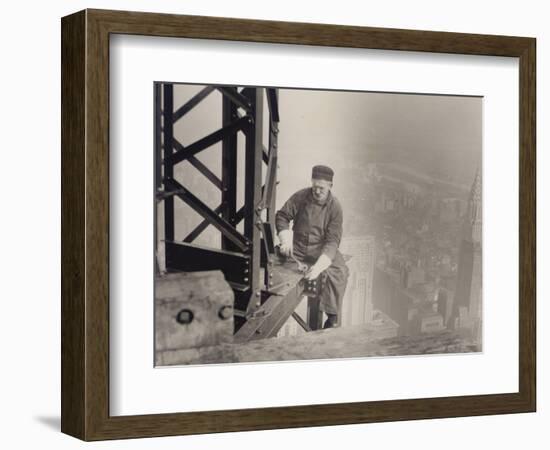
column 322, row 173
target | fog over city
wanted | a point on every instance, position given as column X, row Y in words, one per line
column 439, row 136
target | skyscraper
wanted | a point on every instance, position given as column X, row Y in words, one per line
column 467, row 302
column 357, row 303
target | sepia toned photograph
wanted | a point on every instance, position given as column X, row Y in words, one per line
column 304, row 224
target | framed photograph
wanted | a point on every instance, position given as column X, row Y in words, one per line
column 273, row 225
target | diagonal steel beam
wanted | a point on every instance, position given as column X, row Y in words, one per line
column 183, row 110
column 272, row 172
column 240, row 100
column 185, row 152
column 239, row 215
column 273, row 104
column 270, row 179
column 201, row 227
column 205, row 171
column 301, row 321
column 270, row 316
column 199, row 165
column 202, row 209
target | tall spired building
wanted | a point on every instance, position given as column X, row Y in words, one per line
column 467, row 300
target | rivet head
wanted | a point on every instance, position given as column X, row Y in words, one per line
column 225, row 312
column 257, row 293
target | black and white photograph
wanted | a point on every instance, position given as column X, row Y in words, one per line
column 304, row 224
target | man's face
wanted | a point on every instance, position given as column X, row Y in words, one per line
column 320, row 189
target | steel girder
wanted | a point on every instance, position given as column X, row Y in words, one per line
column 245, row 256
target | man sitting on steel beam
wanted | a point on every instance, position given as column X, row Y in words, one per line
column 317, row 227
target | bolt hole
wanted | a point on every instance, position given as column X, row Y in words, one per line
column 185, row 317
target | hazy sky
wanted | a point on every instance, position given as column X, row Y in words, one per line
column 436, row 135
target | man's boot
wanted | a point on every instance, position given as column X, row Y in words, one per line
column 332, row 321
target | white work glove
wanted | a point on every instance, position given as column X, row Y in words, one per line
column 285, row 238
column 322, row 264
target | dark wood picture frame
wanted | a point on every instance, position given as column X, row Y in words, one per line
column 85, row 224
